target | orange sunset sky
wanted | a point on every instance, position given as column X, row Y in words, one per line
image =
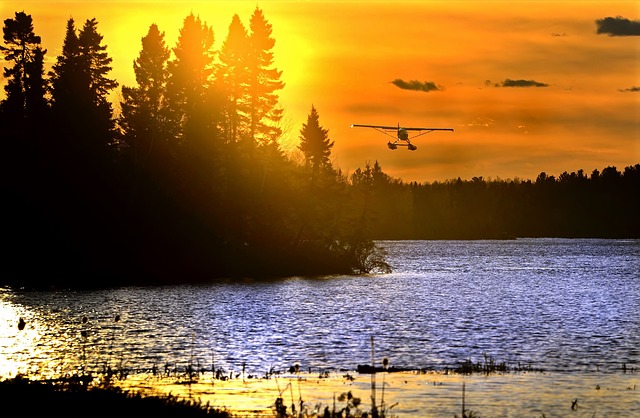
column 579, row 107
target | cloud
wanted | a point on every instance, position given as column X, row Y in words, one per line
column 618, row 26
column 522, row 83
column 416, row 85
column 634, row 89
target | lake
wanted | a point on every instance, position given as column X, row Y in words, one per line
column 562, row 314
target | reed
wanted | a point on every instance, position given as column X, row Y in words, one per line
column 466, row 413
column 374, row 409
column 487, row 367
column 112, row 339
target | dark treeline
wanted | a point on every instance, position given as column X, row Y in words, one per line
column 600, row 205
column 187, row 182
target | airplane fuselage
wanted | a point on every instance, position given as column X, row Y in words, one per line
column 402, row 134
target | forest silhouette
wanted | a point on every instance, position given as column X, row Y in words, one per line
column 186, row 181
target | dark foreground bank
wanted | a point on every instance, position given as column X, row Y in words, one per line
column 27, row 398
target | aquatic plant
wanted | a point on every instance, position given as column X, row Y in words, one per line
column 111, row 341
column 383, row 406
column 84, row 333
column 280, row 408
column 466, row 413
column 374, row 410
column 352, row 404
column 469, row 367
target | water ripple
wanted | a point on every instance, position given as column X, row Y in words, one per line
column 562, row 305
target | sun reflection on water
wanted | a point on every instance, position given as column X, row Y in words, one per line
column 17, row 346
column 406, row 394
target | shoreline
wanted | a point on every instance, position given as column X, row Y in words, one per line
column 397, row 393
column 407, row 394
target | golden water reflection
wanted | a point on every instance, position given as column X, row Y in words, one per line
column 16, row 345
column 408, row 394
column 53, row 342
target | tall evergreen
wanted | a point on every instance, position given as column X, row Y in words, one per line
column 315, row 144
column 80, row 89
column 264, row 81
column 97, row 65
column 37, row 104
column 25, row 104
column 232, row 79
column 189, row 102
column 67, row 80
column 316, row 147
column 142, row 119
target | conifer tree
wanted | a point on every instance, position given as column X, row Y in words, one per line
column 25, row 103
column 264, row 82
column 142, row 118
column 315, row 144
column 97, row 63
column 80, row 88
column 66, row 76
column 232, row 79
column 189, row 101
column 36, row 102
column 316, row 148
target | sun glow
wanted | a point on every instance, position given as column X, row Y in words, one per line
column 16, row 345
column 342, row 57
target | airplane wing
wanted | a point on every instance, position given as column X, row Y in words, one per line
column 355, row 125
column 428, row 129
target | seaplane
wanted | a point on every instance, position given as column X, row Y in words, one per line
column 401, row 137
